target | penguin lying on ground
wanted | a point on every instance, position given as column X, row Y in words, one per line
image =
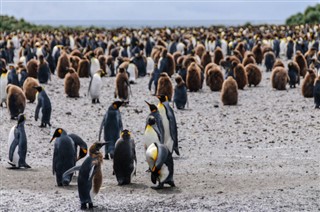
column 125, row 160
column 90, row 176
column 43, row 106
column 17, row 144
column 169, row 124
column 112, row 125
column 161, row 165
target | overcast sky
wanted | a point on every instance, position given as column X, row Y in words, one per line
column 274, row 11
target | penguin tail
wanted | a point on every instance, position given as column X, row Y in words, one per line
column 176, row 150
column 26, row 166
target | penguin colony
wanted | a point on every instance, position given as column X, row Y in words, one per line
column 227, row 66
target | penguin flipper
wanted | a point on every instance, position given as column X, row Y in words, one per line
column 71, row 171
column 90, row 85
column 14, row 144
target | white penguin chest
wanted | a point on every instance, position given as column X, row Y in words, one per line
column 3, row 85
column 166, row 126
column 15, row 158
column 96, row 85
column 150, row 136
column 95, row 66
column 164, row 173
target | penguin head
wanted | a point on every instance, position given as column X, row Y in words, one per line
column 57, row 134
column 151, row 120
column 38, row 88
column 95, row 147
column 125, row 134
column 117, row 104
column 153, row 108
column 162, row 98
column 82, row 153
column 21, row 118
column 100, row 72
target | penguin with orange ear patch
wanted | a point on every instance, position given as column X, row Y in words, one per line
column 72, row 83
column 90, row 176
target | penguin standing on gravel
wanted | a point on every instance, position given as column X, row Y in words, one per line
column 3, row 86
column 112, row 125
column 125, row 160
column 154, row 113
column 17, row 144
column 95, row 86
column 160, row 162
column 316, row 92
column 90, row 176
column 152, row 133
column 63, row 156
column 43, row 106
column 169, row 124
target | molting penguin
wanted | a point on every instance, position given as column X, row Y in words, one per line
column 254, row 74
column 229, row 92
column 43, row 106
column 180, row 97
column 63, row 65
column 63, row 156
column 3, row 86
column 169, row 124
column 17, row 144
column 160, row 162
column 44, row 73
column 279, row 78
column 90, row 176
column 28, row 90
column 293, row 73
column 122, row 85
column 165, row 86
column 316, row 92
column 112, row 125
column 16, row 100
column 72, row 83
column 125, row 160
column 308, row 84
column 95, row 87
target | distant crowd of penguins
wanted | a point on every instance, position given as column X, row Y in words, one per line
column 227, row 59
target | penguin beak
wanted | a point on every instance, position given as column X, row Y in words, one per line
column 52, row 139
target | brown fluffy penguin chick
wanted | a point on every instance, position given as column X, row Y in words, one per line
column 84, row 68
column 16, row 100
column 71, row 83
column 257, row 51
column 249, row 59
column 193, row 77
column 122, row 85
column 238, row 55
column 188, row 60
column 241, row 49
column 229, row 92
column 208, row 67
column 200, row 50
column 32, row 68
column 254, row 74
column 279, row 78
column 278, row 63
column 206, row 59
column 241, row 76
column 63, row 65
column 76, row 52
column 302, row 63
column 103, row 61
column 74, row 61
column 218, row 55
column 171, row 65
column 214, row 79
column 165, row 86
column 28, row 89
column 176, row 56
column 308, row 84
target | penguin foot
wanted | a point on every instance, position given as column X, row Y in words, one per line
column 106, row 157
column 98, row 101
column 148, row 170
column 26, row 166
column 171, row 183
column 42, row 125
column 160, row 186
column 83, row 206
column 93, row 101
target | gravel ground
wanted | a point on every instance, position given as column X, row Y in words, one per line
column 261, row 155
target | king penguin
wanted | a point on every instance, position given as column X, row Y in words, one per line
column 160, row 163
column 169, row 124
column 63, row 156
column 95, row 86
column 3, row 85
column 17, row 144
column 90, row 176
column 125, row 160
column 154, row 113
column 112, row 125
column 43, row 106
column 152, row 133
